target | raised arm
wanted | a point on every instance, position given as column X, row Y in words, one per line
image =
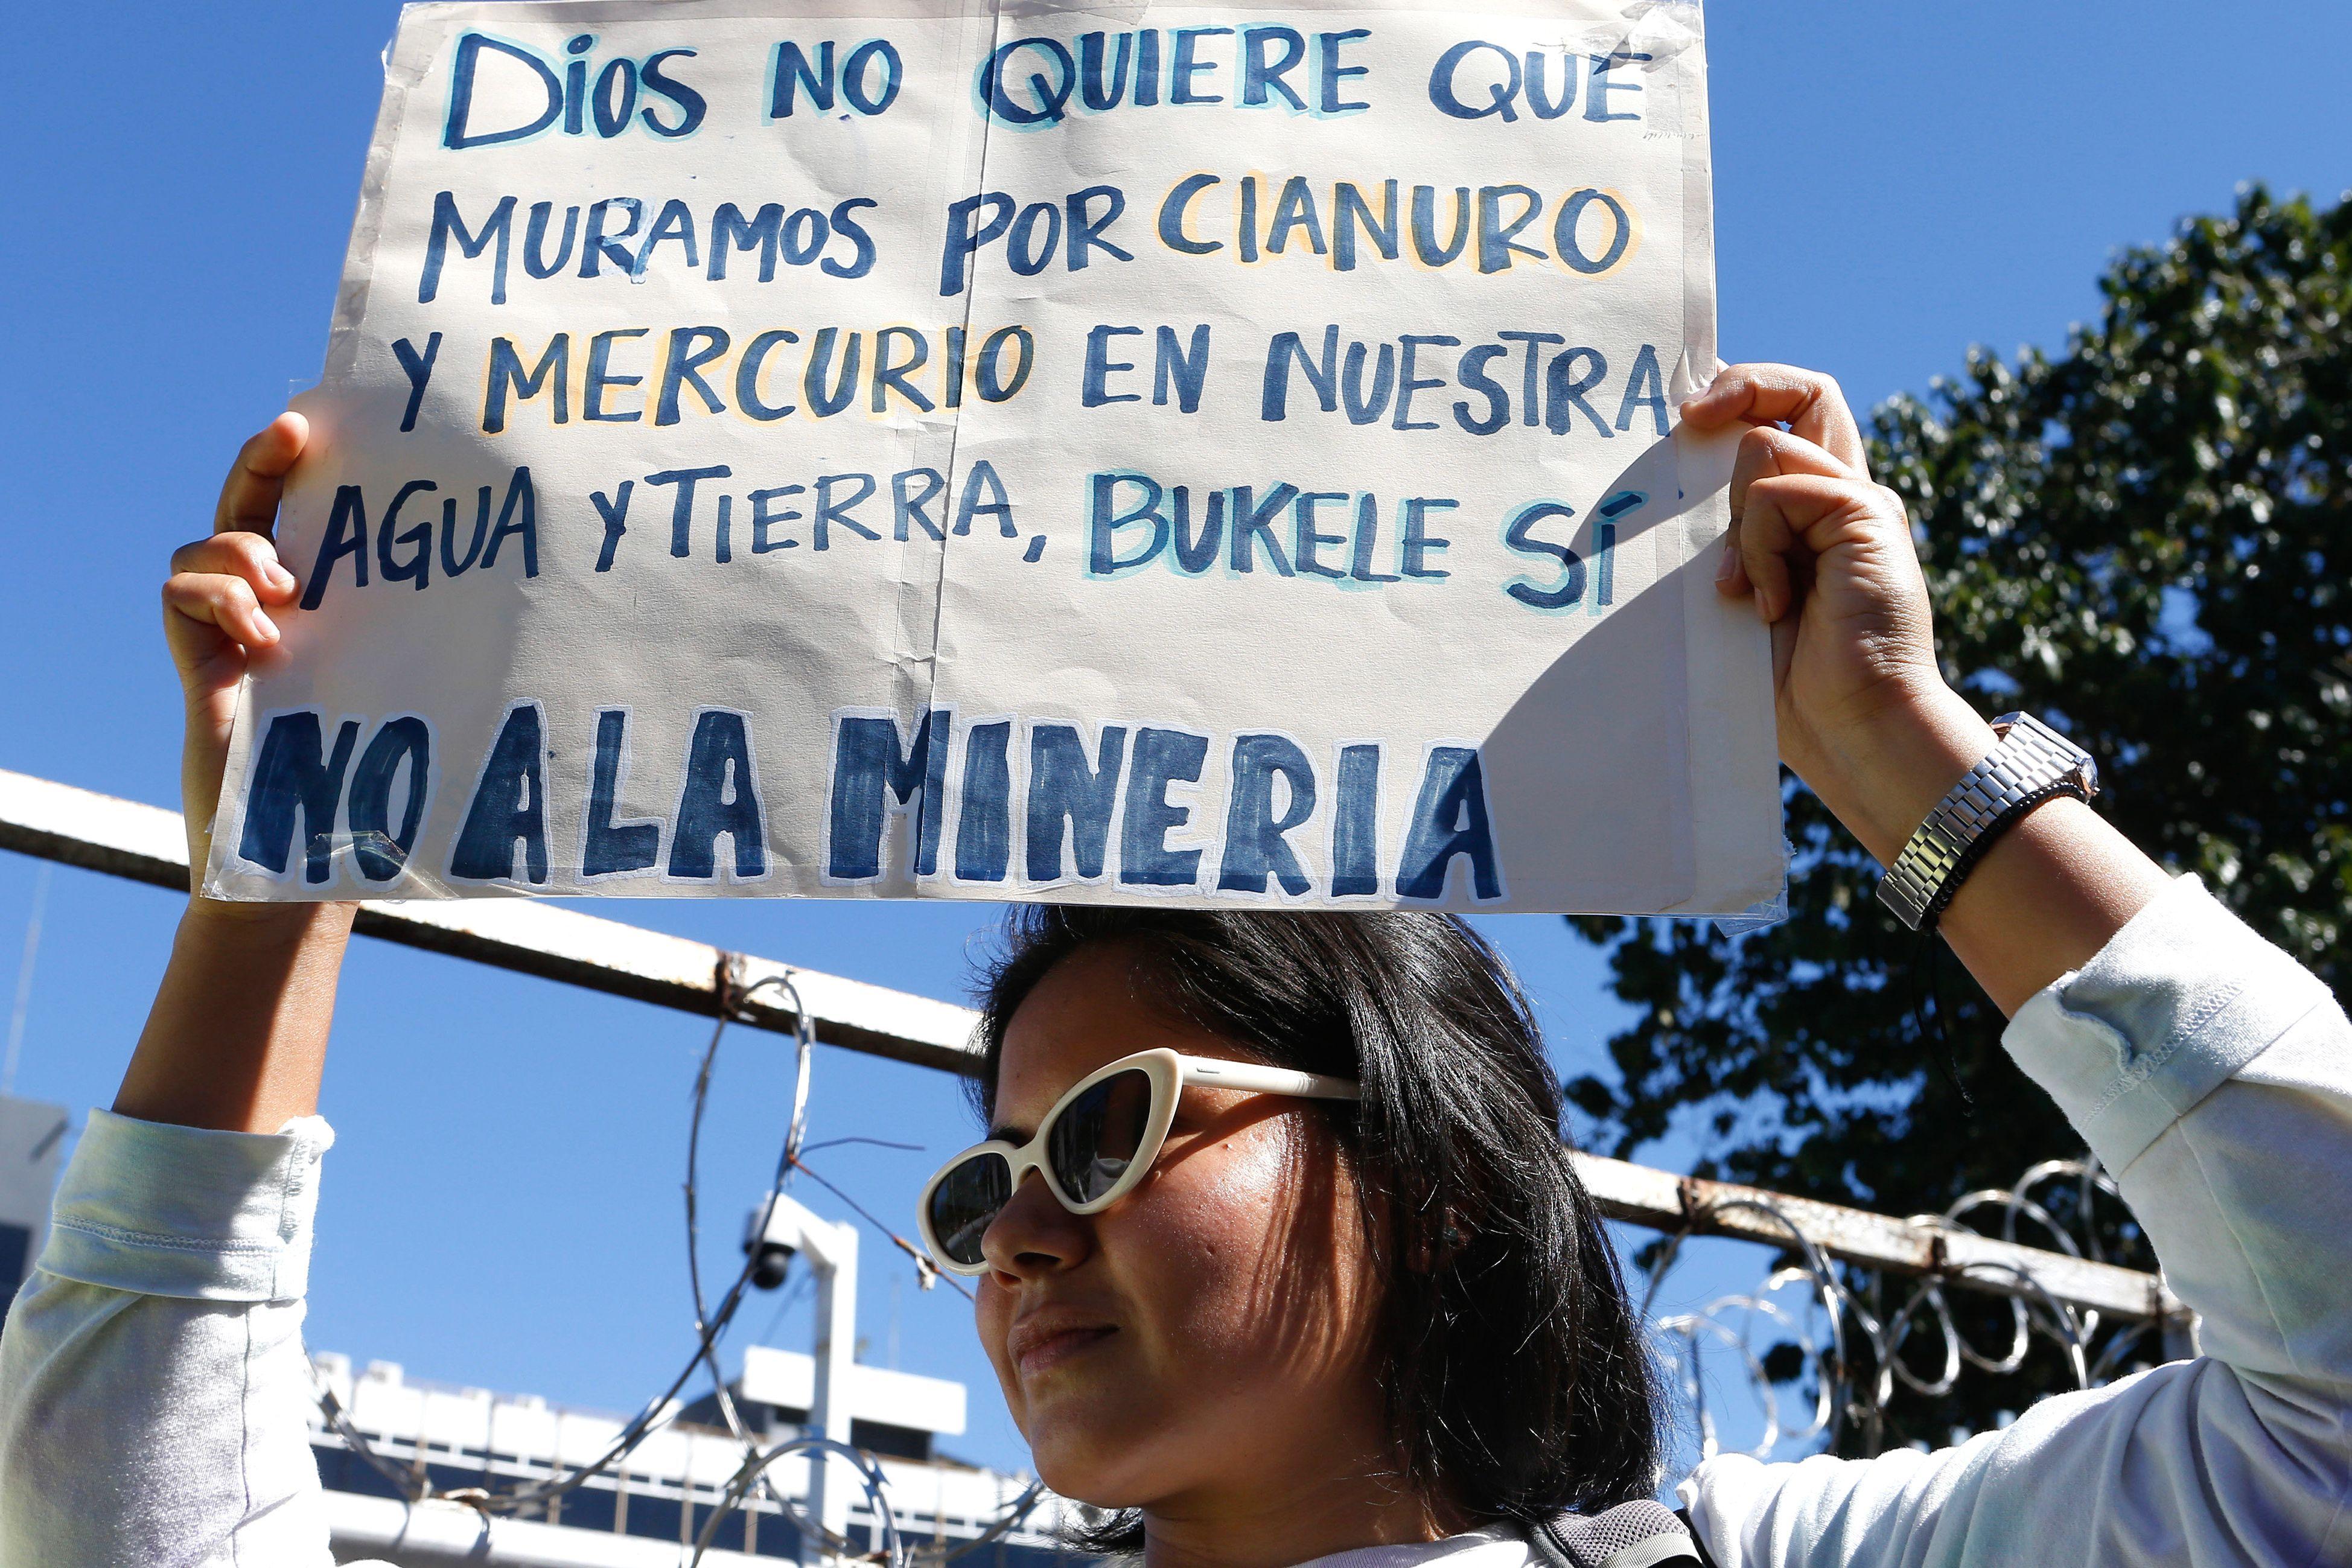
column 153, row 1387
column 237, row 1036
column 2207, row 1071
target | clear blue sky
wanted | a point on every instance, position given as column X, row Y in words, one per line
column 1894, row 182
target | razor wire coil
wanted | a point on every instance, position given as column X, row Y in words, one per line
column 1854, row 1358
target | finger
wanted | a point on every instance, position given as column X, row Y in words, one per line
column 1799, row 518
column 217, row 600
column 1767, row 452
column 1811, row 403
column 1767, row 540
column 249, row 497
column 1730, row 571
column 247, row 555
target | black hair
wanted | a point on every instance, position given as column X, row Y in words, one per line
column 1517, row 1381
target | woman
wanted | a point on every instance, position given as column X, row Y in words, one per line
column 1322, row 1281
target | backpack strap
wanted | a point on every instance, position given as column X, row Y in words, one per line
column 1643, row 1533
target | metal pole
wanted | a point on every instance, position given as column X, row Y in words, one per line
column 146, row 844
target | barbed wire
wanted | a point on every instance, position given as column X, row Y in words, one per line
column 1849, row 1362
column 415, row 1484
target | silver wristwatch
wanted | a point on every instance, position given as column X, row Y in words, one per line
column 2034, row 763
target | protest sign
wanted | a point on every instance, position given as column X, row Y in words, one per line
column 927, row 448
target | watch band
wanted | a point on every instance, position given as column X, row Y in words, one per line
column 2032, row 763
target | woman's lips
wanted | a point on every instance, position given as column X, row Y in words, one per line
column 1047, row 1348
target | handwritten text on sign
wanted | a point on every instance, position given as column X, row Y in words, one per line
column 1223, row 457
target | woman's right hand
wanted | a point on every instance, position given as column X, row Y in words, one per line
column 217, row 606
column 237, row 1036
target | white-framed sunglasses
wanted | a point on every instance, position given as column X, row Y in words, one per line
column 1099, row 1140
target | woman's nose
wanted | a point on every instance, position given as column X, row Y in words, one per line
column 1033, row 1235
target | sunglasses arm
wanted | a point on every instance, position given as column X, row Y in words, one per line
column 1217, row 1072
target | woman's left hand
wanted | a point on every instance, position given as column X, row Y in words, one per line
column 1866, row 717
column 1825, row 556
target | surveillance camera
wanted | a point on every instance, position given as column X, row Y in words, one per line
column 779, row 1228
column 769, row 1262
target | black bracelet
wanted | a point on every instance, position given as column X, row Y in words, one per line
column 1984, row 841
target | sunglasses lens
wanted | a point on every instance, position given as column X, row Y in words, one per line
column 964, row 1203
column 1097, row 1136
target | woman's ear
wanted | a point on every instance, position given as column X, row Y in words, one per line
column 1437, row 1246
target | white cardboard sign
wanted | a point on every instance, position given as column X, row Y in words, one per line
column 1191, row 452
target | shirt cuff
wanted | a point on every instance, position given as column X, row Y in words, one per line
column 2177, row 1001
column 187, row 1211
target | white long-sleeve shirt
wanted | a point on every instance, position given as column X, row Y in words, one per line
column 154, row 1395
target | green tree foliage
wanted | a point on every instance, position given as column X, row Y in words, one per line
column 2146, row 538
